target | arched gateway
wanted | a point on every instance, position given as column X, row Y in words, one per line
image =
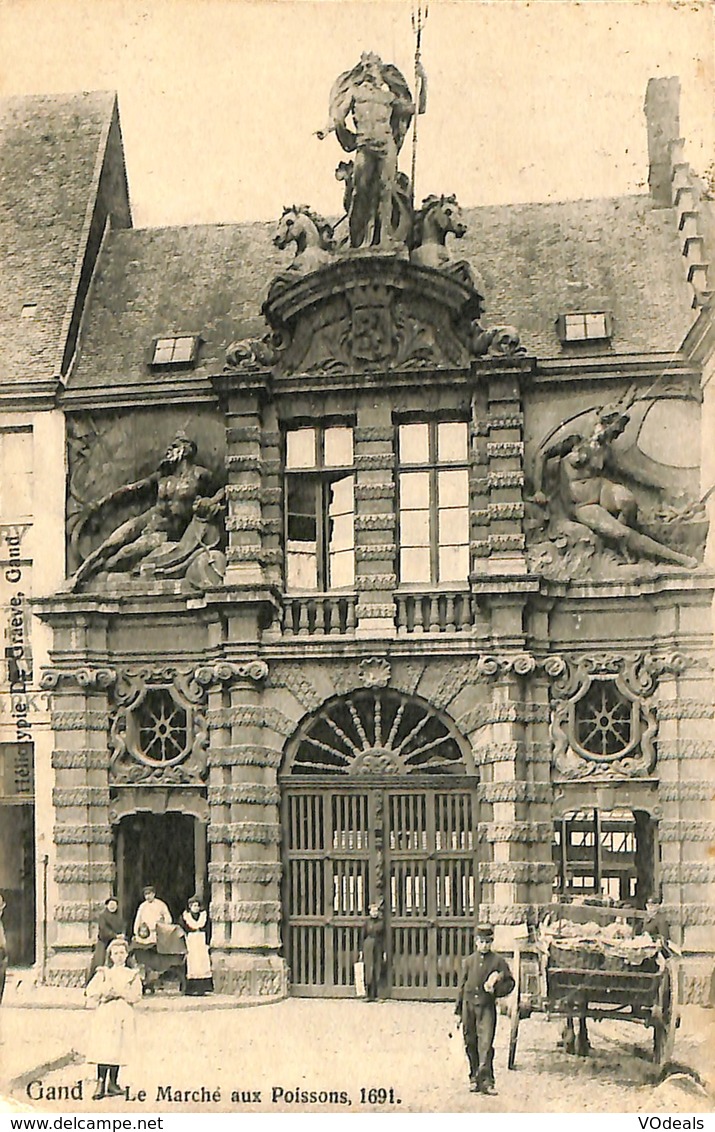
column 379, row 806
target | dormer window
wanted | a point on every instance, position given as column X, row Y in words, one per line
column 584, row 326
column 178, row 350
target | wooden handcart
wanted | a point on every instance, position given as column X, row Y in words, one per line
column 647, row 994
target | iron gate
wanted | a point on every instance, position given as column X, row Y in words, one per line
column 411, row 848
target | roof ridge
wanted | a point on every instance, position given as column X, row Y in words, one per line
column 57, row 96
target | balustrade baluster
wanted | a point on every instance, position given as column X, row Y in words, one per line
column 303, row 622
column 449, row 618
column 433, row 625
column 418, row 614
column 351, row 615
column 465, row 611
column 321, row 613
column 333, row 615
column 401, row 614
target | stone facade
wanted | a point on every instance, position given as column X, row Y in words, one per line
column 566, row 670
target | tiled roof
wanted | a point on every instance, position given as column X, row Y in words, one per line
column 617, row 254
column 537, row 261
column 50, row 152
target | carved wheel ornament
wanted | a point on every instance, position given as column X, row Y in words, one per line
column 158, row 732
column 376, row 732
column 158, row 728
column 602, row 724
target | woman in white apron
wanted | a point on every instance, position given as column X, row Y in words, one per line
column 198, row 961
column 115, row 988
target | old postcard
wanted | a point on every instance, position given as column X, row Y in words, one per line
column 357, row 487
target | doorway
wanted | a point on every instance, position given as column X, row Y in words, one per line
column 412, row 850
column 17, row 880
column 607, row 854
column 165, row 850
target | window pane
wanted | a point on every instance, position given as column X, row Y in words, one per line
column 575, row 326
column 453, row 526
column 341, row 533
column 415, row 564
column 453, row 563
column 340, row 496
column 338, row 447
column 414, row 490
column 342, row 570
column 414, row 444
column 453, row 488
column 300, row 448
column 302, row 510
column 183, row 349
column 451, row 442
column 164, row 350
column 414, row 528
column 595, row 326
column 301, row 569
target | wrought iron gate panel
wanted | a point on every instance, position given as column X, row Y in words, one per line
column 411, row 848
column 455, row 884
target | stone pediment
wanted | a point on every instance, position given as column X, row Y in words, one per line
column 364, row 312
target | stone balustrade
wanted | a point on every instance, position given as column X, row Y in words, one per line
column 319, row 615
column 447, row 611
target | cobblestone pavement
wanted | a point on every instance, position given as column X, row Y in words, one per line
column 346, row 1046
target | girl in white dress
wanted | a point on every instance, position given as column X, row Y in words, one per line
column 198, row 961
column 115, row 988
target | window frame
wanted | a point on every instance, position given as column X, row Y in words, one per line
column 432, row 468
column 322, row 476
column 586, row 339
column 178, row 336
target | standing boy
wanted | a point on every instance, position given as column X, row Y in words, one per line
column 485, row 978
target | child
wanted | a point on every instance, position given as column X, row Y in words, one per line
column 485, row 978
column 116, row 988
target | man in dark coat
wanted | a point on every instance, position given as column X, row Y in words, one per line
column 485, row 978
column 373, row 950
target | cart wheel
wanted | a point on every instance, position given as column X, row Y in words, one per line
column 667, row 1016
column 514, row 1011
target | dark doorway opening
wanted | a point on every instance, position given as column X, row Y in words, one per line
column 165, row 850
column 17, row 880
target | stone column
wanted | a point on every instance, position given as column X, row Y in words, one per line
column 375, row 524
column 247, row 467
column 84, row 870
column 686, row 771
column 515, row 821
column 502, row 518
column 244, row 832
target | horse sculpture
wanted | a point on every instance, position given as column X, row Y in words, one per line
column 438, row 217
column 311, row 234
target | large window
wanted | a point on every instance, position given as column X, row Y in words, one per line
column 433, row 481
column 320, row 508
column 608, row 854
